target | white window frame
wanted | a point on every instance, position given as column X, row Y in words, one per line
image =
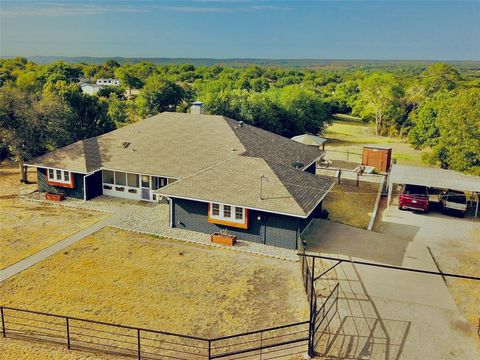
column 233, row 211
column 58, row 179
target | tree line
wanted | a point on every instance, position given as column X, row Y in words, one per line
column 42, row 107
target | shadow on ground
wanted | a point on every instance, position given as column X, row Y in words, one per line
column 358, row 331
column 329, row 237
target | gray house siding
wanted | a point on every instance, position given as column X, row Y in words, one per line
column 93, row 185
column 312, row 169
column 43, row 186
column 272, row 229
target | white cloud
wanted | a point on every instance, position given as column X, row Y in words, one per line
column 60, row 9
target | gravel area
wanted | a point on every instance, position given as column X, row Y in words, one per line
column 153, row 219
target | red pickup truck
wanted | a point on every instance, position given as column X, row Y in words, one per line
column 413, row 197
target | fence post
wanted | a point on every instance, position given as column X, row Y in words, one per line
column 68, row 333
column 3, row 323
column 138, row 344
column 209, row 349
column 261, row 345
column 313, row 311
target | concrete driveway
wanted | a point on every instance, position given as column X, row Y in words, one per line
column 388, row 314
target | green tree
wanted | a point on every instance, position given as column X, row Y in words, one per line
column 159, row 95
column 380, row 100
column 425, row 131
column 29, row 125
column 60, row 71
column 440, row 77
column 89, row 71
column 88, row 114
column 117, row 110
column 458, row 120
column 128, row 78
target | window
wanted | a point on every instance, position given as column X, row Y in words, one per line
column 120, row 178
column 59, row 177
column 228, row 215
column 107, row 176
column 227, row 211
column 155, row 182
column 133, row 180
column 238, row 213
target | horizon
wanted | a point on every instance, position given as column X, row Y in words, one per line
column 241, row 30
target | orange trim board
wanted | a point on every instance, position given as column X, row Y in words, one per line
column 226, row 222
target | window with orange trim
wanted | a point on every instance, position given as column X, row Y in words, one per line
column 228, row 215
column 58, row 177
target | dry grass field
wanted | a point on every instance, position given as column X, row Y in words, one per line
column 27, row 227
column 348, row 133
column 145, row 281
column 351, row 205
column 24, row 350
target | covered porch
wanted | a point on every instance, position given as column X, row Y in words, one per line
column 133, row 186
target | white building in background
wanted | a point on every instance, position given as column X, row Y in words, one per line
column 90, row 89
column 108, row 82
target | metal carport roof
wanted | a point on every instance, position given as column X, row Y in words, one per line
column 431, row 177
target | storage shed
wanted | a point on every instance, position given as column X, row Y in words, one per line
column 378, row 156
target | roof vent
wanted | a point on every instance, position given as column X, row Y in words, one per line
column 197, row 108
column 298, row 164
column 125, row 144
column 240, row 124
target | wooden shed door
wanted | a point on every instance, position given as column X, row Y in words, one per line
column 375, row 158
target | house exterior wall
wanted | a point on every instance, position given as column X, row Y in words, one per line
column 93, row 185
column 76, row 192
column 272, row 229
column 312, row 169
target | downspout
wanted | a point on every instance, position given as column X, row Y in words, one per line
column 85, row 185
column 170, row 215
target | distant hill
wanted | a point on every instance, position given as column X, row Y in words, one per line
column 328, row 63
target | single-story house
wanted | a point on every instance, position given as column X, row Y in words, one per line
column 90, row 89
column 216, row 174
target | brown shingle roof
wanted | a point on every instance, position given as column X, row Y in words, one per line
column 272, row 147
column 237, row 182
column 215, row 157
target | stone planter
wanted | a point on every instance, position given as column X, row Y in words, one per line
column 223, row 239
column 54, row 197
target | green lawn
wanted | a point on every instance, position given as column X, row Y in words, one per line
column 349, row 133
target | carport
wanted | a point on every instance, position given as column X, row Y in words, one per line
column 434, row 178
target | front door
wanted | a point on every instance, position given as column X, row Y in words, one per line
column 145, row 187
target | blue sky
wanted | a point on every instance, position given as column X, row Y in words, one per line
column 388, row 29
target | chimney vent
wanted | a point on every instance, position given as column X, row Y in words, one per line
column 197, row 108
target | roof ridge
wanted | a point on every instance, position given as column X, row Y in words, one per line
column 258, row 148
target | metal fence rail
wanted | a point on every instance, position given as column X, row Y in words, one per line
column 321, row 314
column 83, row 334
column 269, row 343
column 121, row 340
